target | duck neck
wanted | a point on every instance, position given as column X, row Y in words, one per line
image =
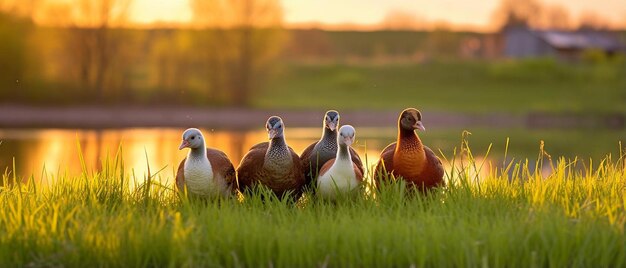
column 329, row 138
column 409, row 155
column 277, row 144
column 198, row 153
column 343, row 152
column 408, row 138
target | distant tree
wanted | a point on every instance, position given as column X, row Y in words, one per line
column 402, row 20
column 516, row 13
column 92, row 43
column 172, row 54
column 237, row 13
column 590, row 20
column 531, row 13
column 15, row 30
column 442, row 42
column 555, row 17
column 241, row 36
column 56, row 13
column 20, row 8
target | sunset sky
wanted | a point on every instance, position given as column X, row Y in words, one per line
column 472, row 14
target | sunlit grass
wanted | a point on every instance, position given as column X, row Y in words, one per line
column 515, row 216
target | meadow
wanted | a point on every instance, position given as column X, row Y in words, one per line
column 463, row 86
column 573, row 216
column 521, row 208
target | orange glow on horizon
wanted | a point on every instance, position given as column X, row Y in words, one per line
column 348, row 14
column 161, row 12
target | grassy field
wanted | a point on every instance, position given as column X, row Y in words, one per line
column 513, row 217
column 452, row 86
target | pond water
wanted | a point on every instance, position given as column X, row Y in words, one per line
column 58, row 149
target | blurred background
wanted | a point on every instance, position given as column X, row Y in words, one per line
column 89, row 75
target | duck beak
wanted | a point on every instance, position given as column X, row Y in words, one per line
column 332, row 126
column 184, row 144
column 272, row 133
column 347, row 140
column 419, row 126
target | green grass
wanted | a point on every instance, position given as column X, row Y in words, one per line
column 514, row 217
column 451, row 86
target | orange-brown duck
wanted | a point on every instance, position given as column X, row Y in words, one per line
column 205, row 172
column 408, row 157
column 273, row 164
column 319, row 152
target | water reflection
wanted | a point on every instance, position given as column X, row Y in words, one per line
column 58, row 149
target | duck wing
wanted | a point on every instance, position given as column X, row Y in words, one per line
column 307, row 166
column 358, row 173
column 357, row 160
column 251, row 165
column 262, row 145
column 298, row 178
column 222, row 166
column 326, row 167
column 385, row 164
column 433, row 171
column 180, row 175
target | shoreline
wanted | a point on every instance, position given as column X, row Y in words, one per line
column 99, row 117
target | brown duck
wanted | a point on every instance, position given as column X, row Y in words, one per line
column 206, row 172
column 273, row 164
column 408, row 157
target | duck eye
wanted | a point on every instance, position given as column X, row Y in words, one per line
column 193, row 137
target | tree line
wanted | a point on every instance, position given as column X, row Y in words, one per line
column 90, row 54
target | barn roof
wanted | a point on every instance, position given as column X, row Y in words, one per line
column 579, row 40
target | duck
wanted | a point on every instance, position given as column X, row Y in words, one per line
column 205, row 172
column 325, row 149
column 409, row 158
column 341, row 174
column 273, row 164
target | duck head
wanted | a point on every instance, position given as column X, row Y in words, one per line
column 331, row 120
column 346, row 135
column 275, row 127
column 411, row 119
column 192, row 138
